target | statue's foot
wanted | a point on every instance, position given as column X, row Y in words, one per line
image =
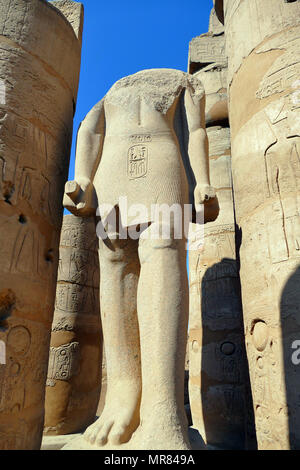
column 119, row 419
column 162, row 429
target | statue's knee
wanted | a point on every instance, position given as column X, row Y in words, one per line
column 151, row 247
column 113, row 249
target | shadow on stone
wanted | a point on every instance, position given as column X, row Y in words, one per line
column 228, row 418
column 290, row 326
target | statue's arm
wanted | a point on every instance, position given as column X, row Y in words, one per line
column 80, row 197
column 89, row 143
column 204, row 193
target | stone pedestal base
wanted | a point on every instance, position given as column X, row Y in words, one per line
column 78, row 442
column 57, row 442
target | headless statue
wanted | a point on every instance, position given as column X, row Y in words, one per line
column 127, row 146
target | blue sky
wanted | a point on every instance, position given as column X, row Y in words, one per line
column 122, row 37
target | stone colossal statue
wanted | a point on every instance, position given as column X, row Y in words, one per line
column 131, row 145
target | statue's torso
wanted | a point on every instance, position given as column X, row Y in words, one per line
column 141, row 156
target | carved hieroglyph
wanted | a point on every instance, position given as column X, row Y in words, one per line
column 128, row 147
column 206, row 49
column 263, row 42
column 74, row 371
column 218, row 367
column 39, row 70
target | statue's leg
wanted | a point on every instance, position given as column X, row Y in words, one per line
column 163, row 322
column 119, row 270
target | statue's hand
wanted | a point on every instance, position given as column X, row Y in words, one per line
column 80, row 197
column 203, row 193
column 206, row 195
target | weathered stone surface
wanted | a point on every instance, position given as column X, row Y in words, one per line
column 103, row 392
column 56, row 442
column 262, row 38
column 132, row 149
column 74, row 371
column 219, row 8
column 214, row 77
column 73, row 12
column 218, row 367
column 215, row 25
column 206, row 49
column 39, row 70
column 252, row 22
column 208, row 59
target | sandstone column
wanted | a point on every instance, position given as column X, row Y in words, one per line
column 218, row 367
column 39, row 71
column 74, row 372
column 262, row 42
